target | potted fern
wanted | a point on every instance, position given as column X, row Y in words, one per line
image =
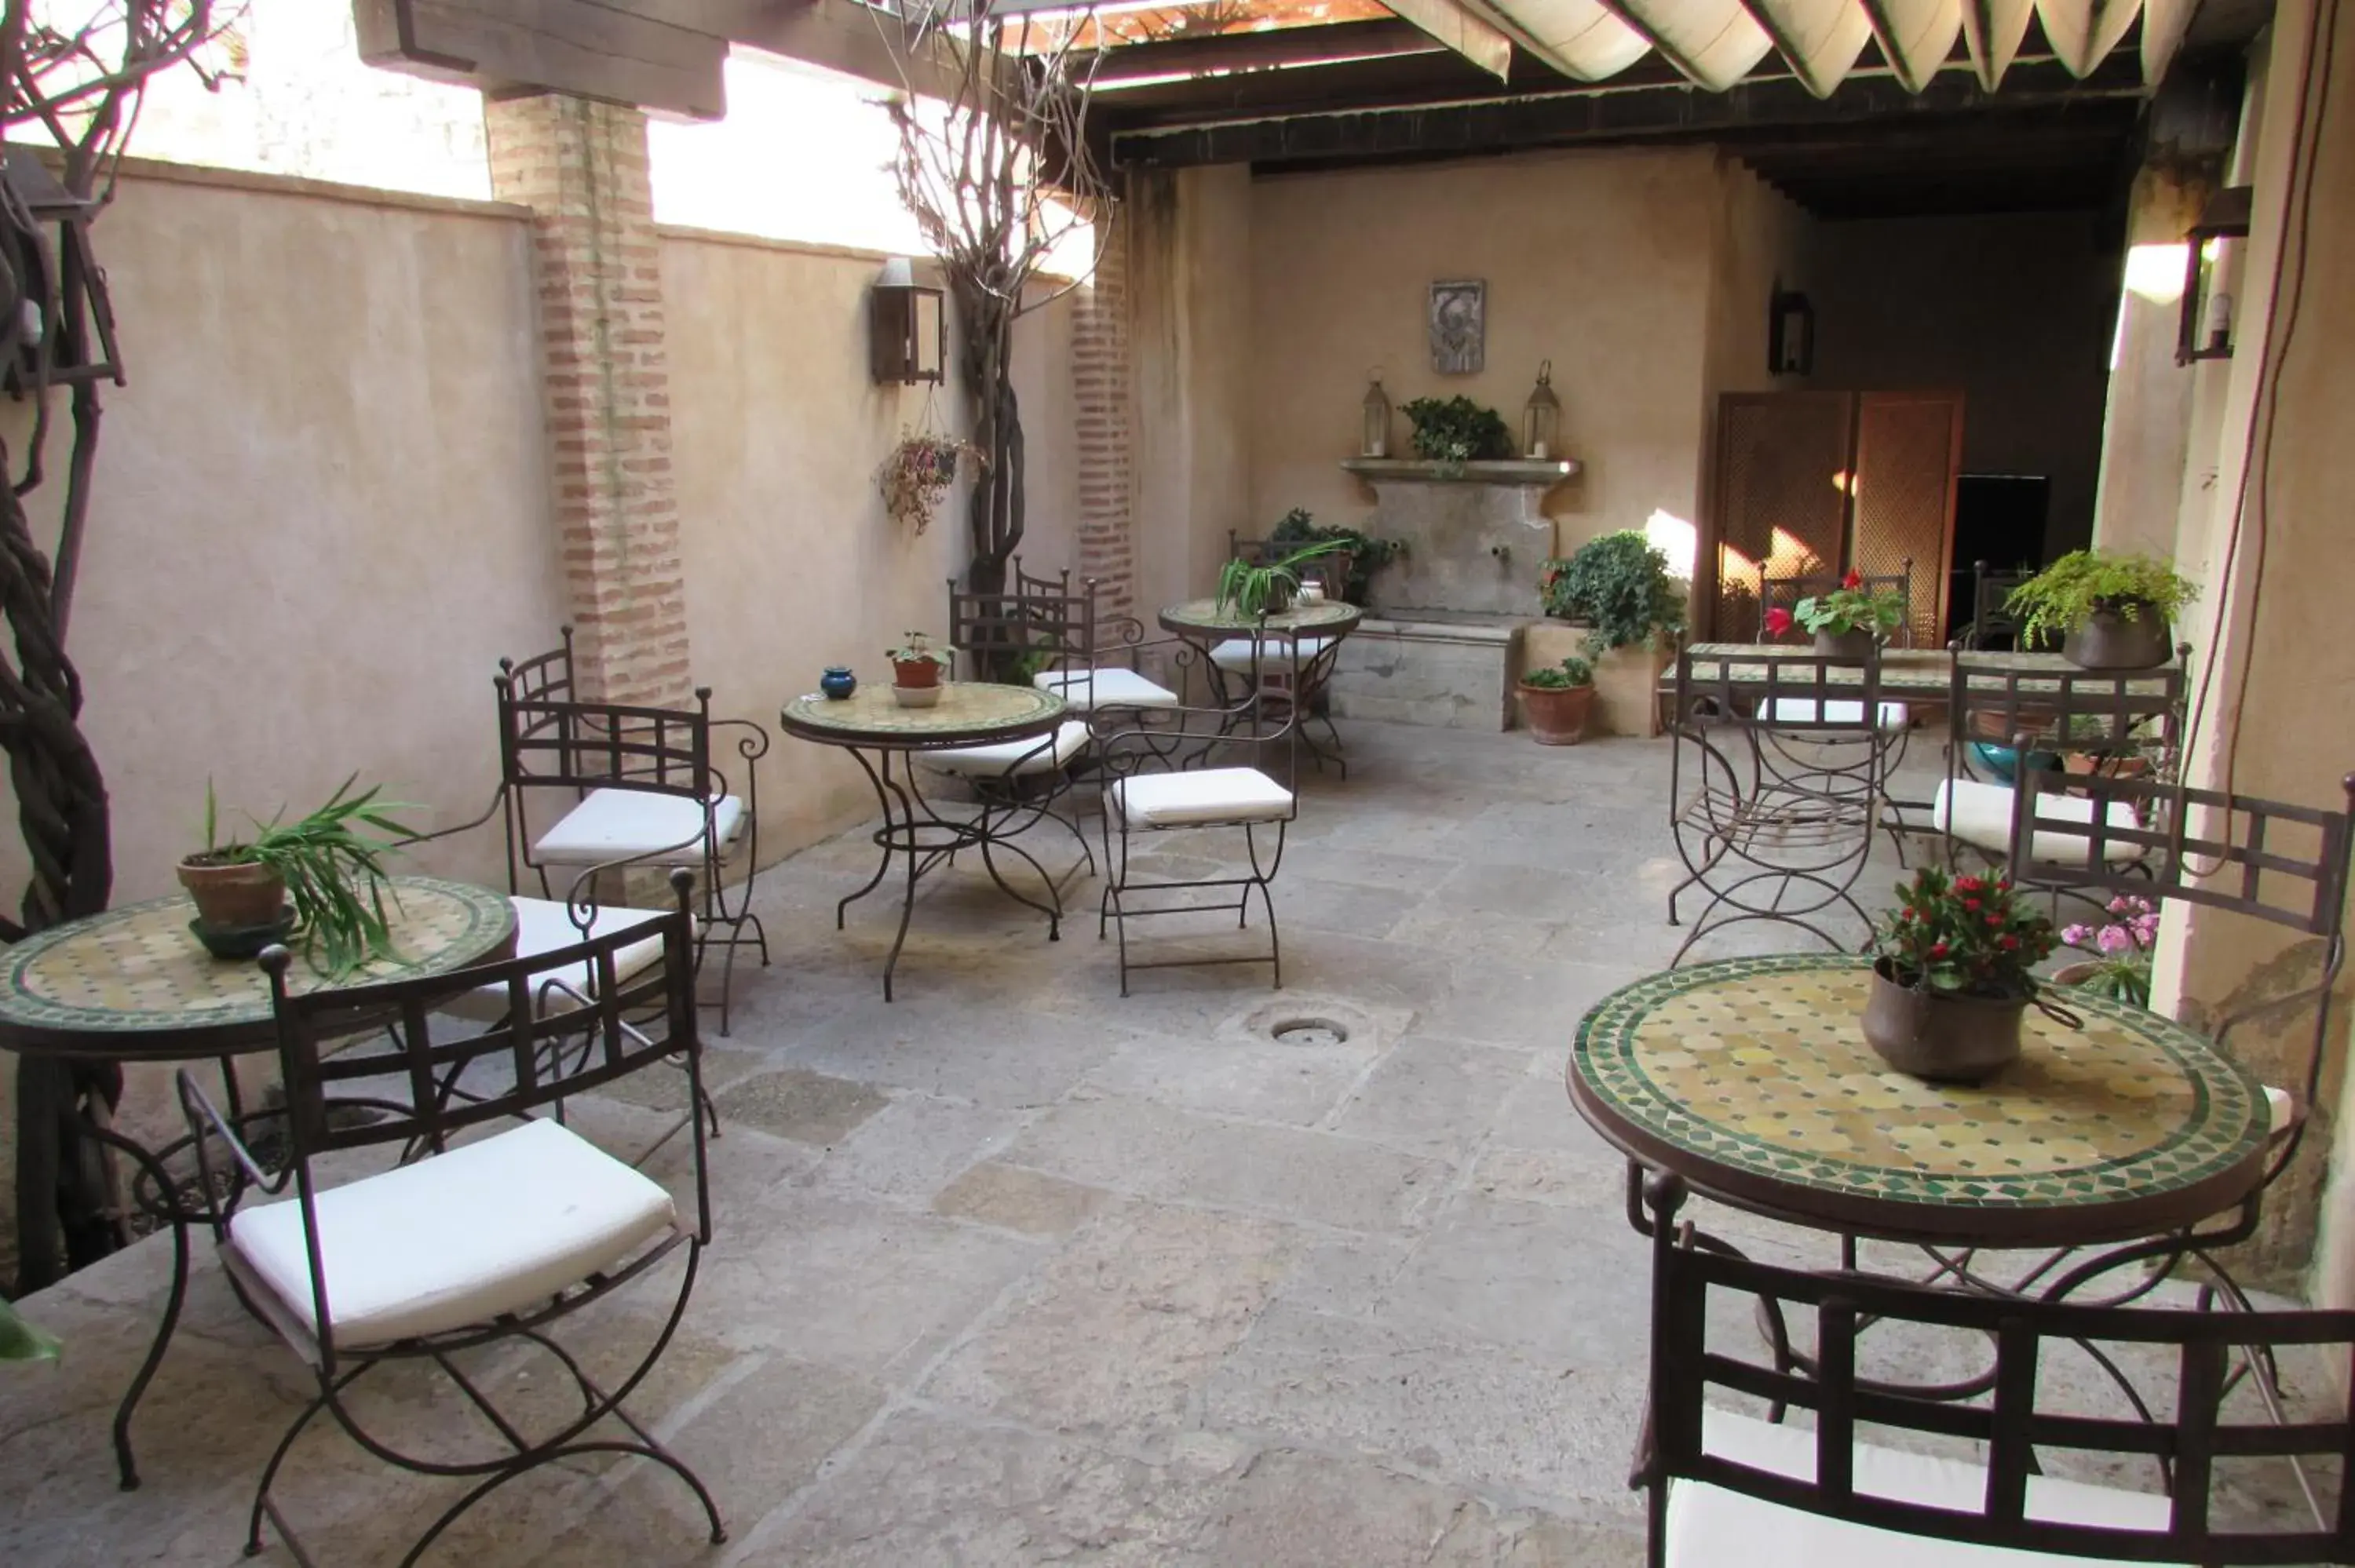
column 1267, row 588
column 2107, row 612
column 318, row 881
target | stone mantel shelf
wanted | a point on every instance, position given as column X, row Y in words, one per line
column 1508, row 471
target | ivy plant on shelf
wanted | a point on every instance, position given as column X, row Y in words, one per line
column 1619, row 585
column 1367, row 554
column 1453, row 431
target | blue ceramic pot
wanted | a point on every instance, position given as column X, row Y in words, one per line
column 837, row 682
column 2003, row 762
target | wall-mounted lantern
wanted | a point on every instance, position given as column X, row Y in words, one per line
column 1375, row 442
column 909, row 325
column 2205, row 329
column 1542, row 418
column 67, row 316
column 1790, row 333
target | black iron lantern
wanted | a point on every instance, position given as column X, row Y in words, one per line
column 909, row 323
column 1376, row 439
column 1542, row 418
column 2204, row 330
column 68, row 334
column 1790, row 335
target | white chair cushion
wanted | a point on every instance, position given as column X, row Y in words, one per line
column 1012, row 759
column 1111, row 687
column 2281, row 1111
column 616, row 823
column 1802, row 710
column 1710, row 1527
column 456, row 1239
column 545, row 925
column 1235, row 654
column 1209, row 795
column 1981, row 817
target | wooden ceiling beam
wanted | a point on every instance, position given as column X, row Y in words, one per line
column 579, row 46
column 1277, row 46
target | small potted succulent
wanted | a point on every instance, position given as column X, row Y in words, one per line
column 1848, row 623
column 1952, row 976
column 1267, row 588
column 1556, row 700
column 2109, row 613
column 319, row 881
column 916, row 671
column 2121, row 946
column 918, row 474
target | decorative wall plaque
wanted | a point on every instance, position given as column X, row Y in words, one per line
column 1459, row 326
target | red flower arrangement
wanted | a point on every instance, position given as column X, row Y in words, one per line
column 1968, row 936
column 1852, row 607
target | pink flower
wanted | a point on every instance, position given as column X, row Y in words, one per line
column 2075, row 935
column 2115, row 939
column 1778, row 621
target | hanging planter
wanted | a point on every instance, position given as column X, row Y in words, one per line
column 918, row 474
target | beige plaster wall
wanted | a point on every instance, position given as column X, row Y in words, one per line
column 2013, row 310
column 791, row 562
column 1600, row 262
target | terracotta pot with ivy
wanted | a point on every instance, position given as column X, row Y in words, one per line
column 1618, row 585
column 2107, row 612
column 1556, row 700
column 1952, row 976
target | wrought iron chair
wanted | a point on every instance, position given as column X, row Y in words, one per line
column 1726, row 1488
column 1145, row 795
column 1993, row 626
column 1230, row 660
column 630, row 786
column 1102, row 671
column 476, row 1241
column 2008, row 722
column 1774, row 796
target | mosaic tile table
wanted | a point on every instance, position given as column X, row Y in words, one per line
column 881, row 735
column 133, row 985
column 1908, row 675
column 1322, row 624
column 1751, row 1079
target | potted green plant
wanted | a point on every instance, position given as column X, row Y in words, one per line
column 1848, row 623
column 2109, row 613
column 1618, row 584
column 1453, row 431
column 2119, row 967
column 318, row 881
column 1952, row 976
column 1267, row 588
column 916, row 669
column 1367, row 554
column 1556, row 700
column 918, row 473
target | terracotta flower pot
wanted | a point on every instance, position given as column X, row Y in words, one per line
column 1942, row 1038
column 916, row 673
column 2109, row 640
column 1556, row 715
column 232, row 894
column 1855, row 644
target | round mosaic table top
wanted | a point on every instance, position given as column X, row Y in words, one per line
column 133, row 984
column 970, row 713
column 1204, row 618
column 1751, row 1079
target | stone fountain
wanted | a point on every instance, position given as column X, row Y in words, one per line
column 1439, row 643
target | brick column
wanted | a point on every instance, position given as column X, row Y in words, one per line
column 605, row 383
column 1100, row 386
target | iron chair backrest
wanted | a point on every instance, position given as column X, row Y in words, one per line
column 1990, row 594
column 2020, row 1432
column 335, row 1043
column 1038, row 616
column 2096, row 711
column 1785, row 594
column 1744, row 690
column 1264, row 717
column 1333, row 568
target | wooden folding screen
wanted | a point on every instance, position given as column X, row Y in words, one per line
column 1814, row 482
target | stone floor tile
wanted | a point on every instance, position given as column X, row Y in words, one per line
column 1433, row 1095
column 1257, row 1078
column 807, row 1107
column 1017, row 1200
column 1528, row 1275
column 1294, row 1173
column 990, row 1057
column 918, row 1145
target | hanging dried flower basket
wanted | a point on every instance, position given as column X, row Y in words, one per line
column 918, row 473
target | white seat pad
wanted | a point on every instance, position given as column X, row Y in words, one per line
column 1012, row 759
column 1111, row 686
column 1981, row 817
column 1802, row 710
column 545, row 925
column 1209, row 795
column 456, row 1239
column 1711, row 1527
column 1235, row 654
column 616, row 823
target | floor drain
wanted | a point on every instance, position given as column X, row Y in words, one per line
column 1309, row 1032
